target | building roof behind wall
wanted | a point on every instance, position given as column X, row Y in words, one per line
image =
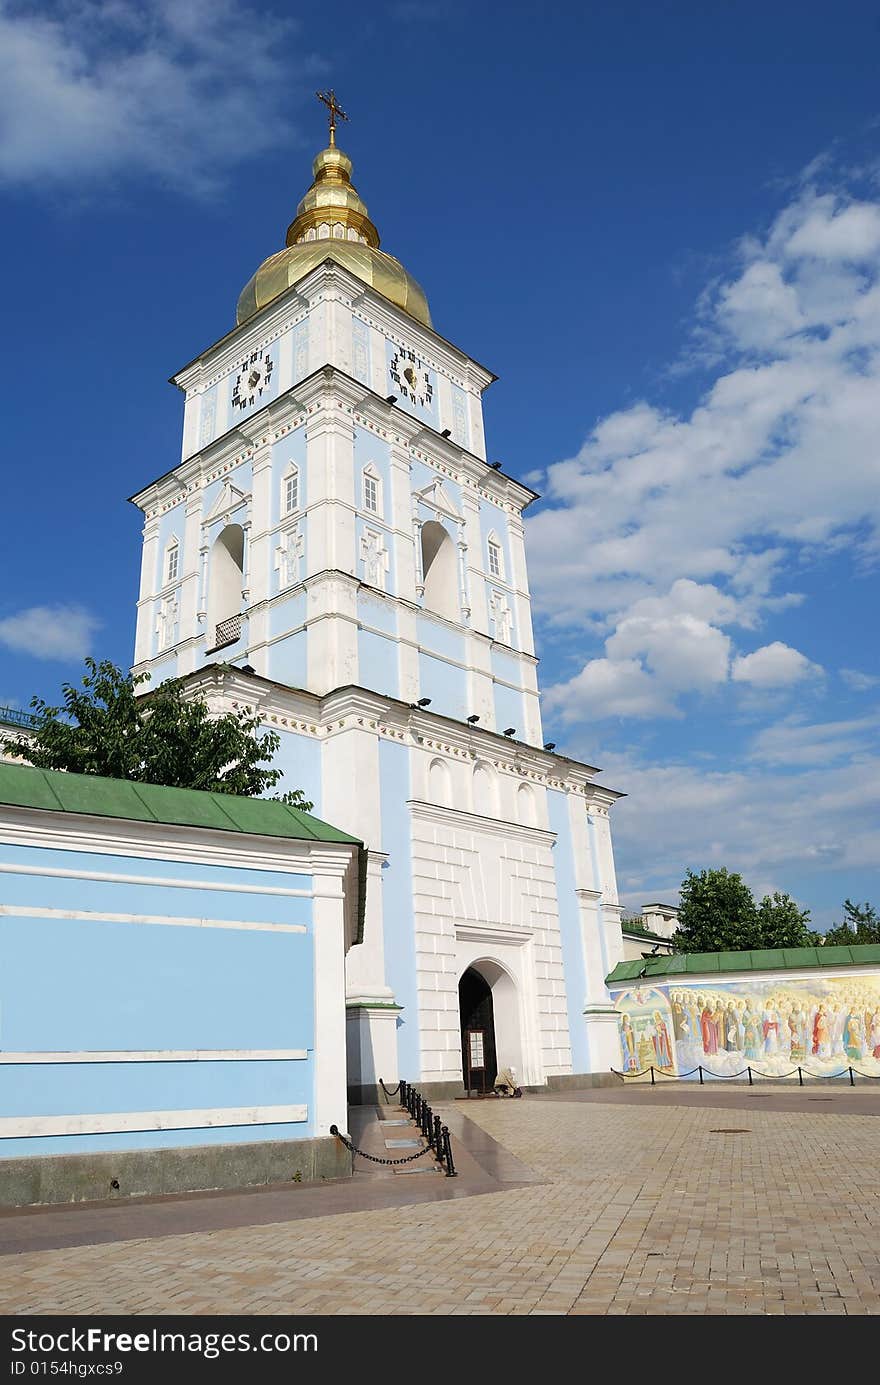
column 764, row 959
column 23, row 786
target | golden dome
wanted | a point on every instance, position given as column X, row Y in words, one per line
column 332, row 222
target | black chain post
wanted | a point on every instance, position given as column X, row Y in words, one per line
column 652, row 1074
column 447, row 1149
column 438, row 1139
column 750, row 1076
column 403, row 1093
column 852, row 1080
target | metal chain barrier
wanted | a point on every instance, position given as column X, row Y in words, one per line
column 436, row 1135
column 407, row 1158
column 389, row 1091
column 751, row 1073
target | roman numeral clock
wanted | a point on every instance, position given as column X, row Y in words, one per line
column 410, row 377
column 254, row 375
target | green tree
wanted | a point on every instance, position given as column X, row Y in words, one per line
column 161, row 737
column 716, row 913
column 780, row 923
column 861, row 925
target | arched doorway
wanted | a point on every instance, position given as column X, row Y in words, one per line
column 477, row 1018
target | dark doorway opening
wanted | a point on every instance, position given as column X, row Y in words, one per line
column 477, row 1012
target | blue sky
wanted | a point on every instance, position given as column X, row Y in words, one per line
column 660, row 225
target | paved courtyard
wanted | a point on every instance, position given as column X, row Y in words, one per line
column 609, row 1203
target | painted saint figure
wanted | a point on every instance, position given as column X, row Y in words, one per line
column 660, row 1039
column 707, row 1028
column 628, row 1045
column 821, row 1034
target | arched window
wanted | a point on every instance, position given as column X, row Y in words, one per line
column 485, row 792
column 172, row 560
column 290, row 490
column 372, row 490
column 440, row 571
column 439, row 786
column 496, row 556
column 225, row 580
column 525, row 802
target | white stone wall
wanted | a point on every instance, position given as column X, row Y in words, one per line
column 486, row 889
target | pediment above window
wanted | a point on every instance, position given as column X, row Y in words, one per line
column 437, row 498
column 229, row 499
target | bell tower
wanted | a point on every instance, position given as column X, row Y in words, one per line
column 335, row 551
column 333, row 519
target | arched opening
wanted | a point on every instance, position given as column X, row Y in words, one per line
column 525, row 799
column 439, row 787
column 440, row 571
column 225, row 580
column 485, row 792
column 489, row 1007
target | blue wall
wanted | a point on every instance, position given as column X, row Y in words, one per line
column 299, row 758
column 98, row 983
column 377, row 663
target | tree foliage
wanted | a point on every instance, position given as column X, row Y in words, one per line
column 717, row 913
column 104, row 727
column 861, row 925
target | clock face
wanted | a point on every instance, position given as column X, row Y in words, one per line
column 411, row 379
column 254, row 374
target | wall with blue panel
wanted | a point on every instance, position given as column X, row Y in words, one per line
column 446, row 685
column 377, row 663
column 291, row 448
column 570, row 930
column 509, row 710
column 299, row 759
column 493, row 520
column 377, row 613
column 437, row 638
column 107, row 953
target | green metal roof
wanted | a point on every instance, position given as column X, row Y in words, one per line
column 765, row 959
column 23, row 786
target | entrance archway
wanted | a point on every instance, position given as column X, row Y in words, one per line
column 477, row 1016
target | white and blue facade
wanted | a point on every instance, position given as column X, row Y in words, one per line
column 166, row 986
column 346, row 552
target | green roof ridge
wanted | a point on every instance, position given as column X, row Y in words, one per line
column 763, row 959
column 27, row 786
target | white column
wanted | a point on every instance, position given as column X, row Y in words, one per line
column 331, row 1095
column 245, row 562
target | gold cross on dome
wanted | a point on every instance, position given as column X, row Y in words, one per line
column 334, row 109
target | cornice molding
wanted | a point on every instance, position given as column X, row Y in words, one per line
column 501, row 827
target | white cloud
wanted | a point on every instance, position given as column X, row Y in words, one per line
column 794, row 742
column 668, row 531
column 50, row 632
column 605, row 688
column 679, row 816
column 174, row 89
column 858, row 681
column 775, row 665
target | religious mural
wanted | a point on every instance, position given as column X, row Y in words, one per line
column 823, row 1024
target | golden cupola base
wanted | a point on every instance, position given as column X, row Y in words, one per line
column 333, row 223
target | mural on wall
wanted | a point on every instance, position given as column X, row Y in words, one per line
column 774, row 1024
column 645, row 1026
